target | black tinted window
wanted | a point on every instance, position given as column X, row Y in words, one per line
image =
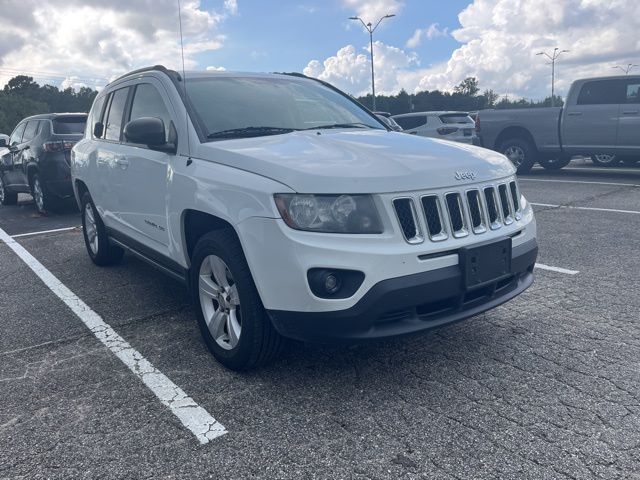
column 407, row 123
column 95, row 115
column 602, row 92
column 30, row 131
column 147, row 102
column 633, row 91
column 16, row 136
column 69, row 125
column 114, row 118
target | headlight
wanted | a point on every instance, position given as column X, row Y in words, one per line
column 329, row 213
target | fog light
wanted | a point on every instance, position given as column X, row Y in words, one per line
column 331, row 283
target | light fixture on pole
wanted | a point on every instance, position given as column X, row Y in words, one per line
column 627, row 69
column 556, row 53
column 370, row 28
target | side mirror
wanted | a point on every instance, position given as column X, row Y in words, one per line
column 146, row 131
column 98, row 129
column 3, row 143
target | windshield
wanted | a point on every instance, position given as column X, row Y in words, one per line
column 231, row 107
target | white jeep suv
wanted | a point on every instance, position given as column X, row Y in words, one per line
column 289, row 210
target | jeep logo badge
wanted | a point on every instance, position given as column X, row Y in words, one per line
column 465, row 175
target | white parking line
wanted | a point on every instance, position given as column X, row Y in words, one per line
column 595, row 209
column 66, row 229
column 577, row 181
column 556, row 269
column 193, row 416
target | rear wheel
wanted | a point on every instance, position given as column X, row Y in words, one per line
column 95, row 235
column 605, row 159
column 7, row 198
column 42, row 197
column 554, row 163
column 521, row 153
column 232, row 320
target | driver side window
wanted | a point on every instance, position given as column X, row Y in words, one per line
column 147, row 102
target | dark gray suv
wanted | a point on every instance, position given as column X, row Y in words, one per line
column 36, row 159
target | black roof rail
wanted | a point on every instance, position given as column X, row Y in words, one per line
column 157, row 68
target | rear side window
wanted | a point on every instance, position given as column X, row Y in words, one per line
column 114, row 117
column 407, row 123
column 30, row 131
column 633, row 91
column 455, row 118
column 71, row 125
column 95, row 116
column 602, row 92
column 147, row 102
column 16, row 136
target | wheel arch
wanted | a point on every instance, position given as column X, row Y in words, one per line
column 515, row 132
column 196, row 223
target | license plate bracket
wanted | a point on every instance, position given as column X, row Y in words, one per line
column 485, row 263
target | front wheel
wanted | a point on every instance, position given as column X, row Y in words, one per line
column 95, row 235
column 7, row 198
column 521, row 153
column 554, row 163
column 232, row 320
column 605, row 159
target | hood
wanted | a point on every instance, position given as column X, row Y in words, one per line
column 358, row 161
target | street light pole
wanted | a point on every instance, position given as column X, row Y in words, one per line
column 556, row 53
column 628, row 68
column 370, row 28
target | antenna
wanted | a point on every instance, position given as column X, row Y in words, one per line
column 184, row 84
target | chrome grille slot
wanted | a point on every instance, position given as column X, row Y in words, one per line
column 475, row 211
column 408, row 219
column 456, row 215
column 515, row 196
column 492, row 207
column 505, row 204
column 433, row 216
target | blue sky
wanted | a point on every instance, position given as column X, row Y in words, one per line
column 285, row 35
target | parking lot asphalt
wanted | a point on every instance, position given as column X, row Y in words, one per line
column 545, row 386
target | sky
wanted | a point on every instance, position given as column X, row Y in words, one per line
column 429, row 44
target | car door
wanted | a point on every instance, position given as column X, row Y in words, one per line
column 629, row 119
column 11, row 159
column 144, row 216
column 590, row 124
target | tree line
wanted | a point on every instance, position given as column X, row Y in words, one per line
column 22, row 97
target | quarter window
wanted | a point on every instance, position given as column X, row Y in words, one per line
column 602, row 92
column 16, row 136
column 147, row 102
column 633, row 92
column 114, row 118
column 95, row 116
column 407, row 123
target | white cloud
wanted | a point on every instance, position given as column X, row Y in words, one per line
column 372, row 10
column 430, row 32
column 215, row 69
column 231, row 6
column 94, row 41
column 499, row 41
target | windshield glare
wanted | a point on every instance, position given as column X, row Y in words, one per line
column 228, row 103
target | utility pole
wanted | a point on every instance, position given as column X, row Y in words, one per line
column 370, row 28
column 627, row 69
column 553, row 57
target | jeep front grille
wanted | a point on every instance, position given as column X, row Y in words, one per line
column 458, row 214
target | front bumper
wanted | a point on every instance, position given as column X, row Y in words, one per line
column 410, row 304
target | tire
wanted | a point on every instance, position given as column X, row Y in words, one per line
column 44, row 200
column 96, row 240
column 7, row 198
column 240, row 335
column 554, row 163
column 521, row 153
column 605, row 159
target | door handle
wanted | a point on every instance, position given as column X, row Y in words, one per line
column 122, row 161
column 574, row 114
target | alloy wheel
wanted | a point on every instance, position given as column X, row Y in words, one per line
column 38, row 197
column 220, row 302
column 1, row 191
column 515, row 154
column 91, row 228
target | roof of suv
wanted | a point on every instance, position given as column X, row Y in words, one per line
column 51, row 116
column 443, row 112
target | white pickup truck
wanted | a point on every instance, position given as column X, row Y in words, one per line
column 289, row 210
column 600, row 116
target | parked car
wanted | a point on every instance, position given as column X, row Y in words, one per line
column 454, row 126
column 601, row 116
column 37, row 159
column 286, row 220
column 389, row 122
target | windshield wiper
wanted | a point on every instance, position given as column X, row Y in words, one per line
column 250, row 132
column 341, row 125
